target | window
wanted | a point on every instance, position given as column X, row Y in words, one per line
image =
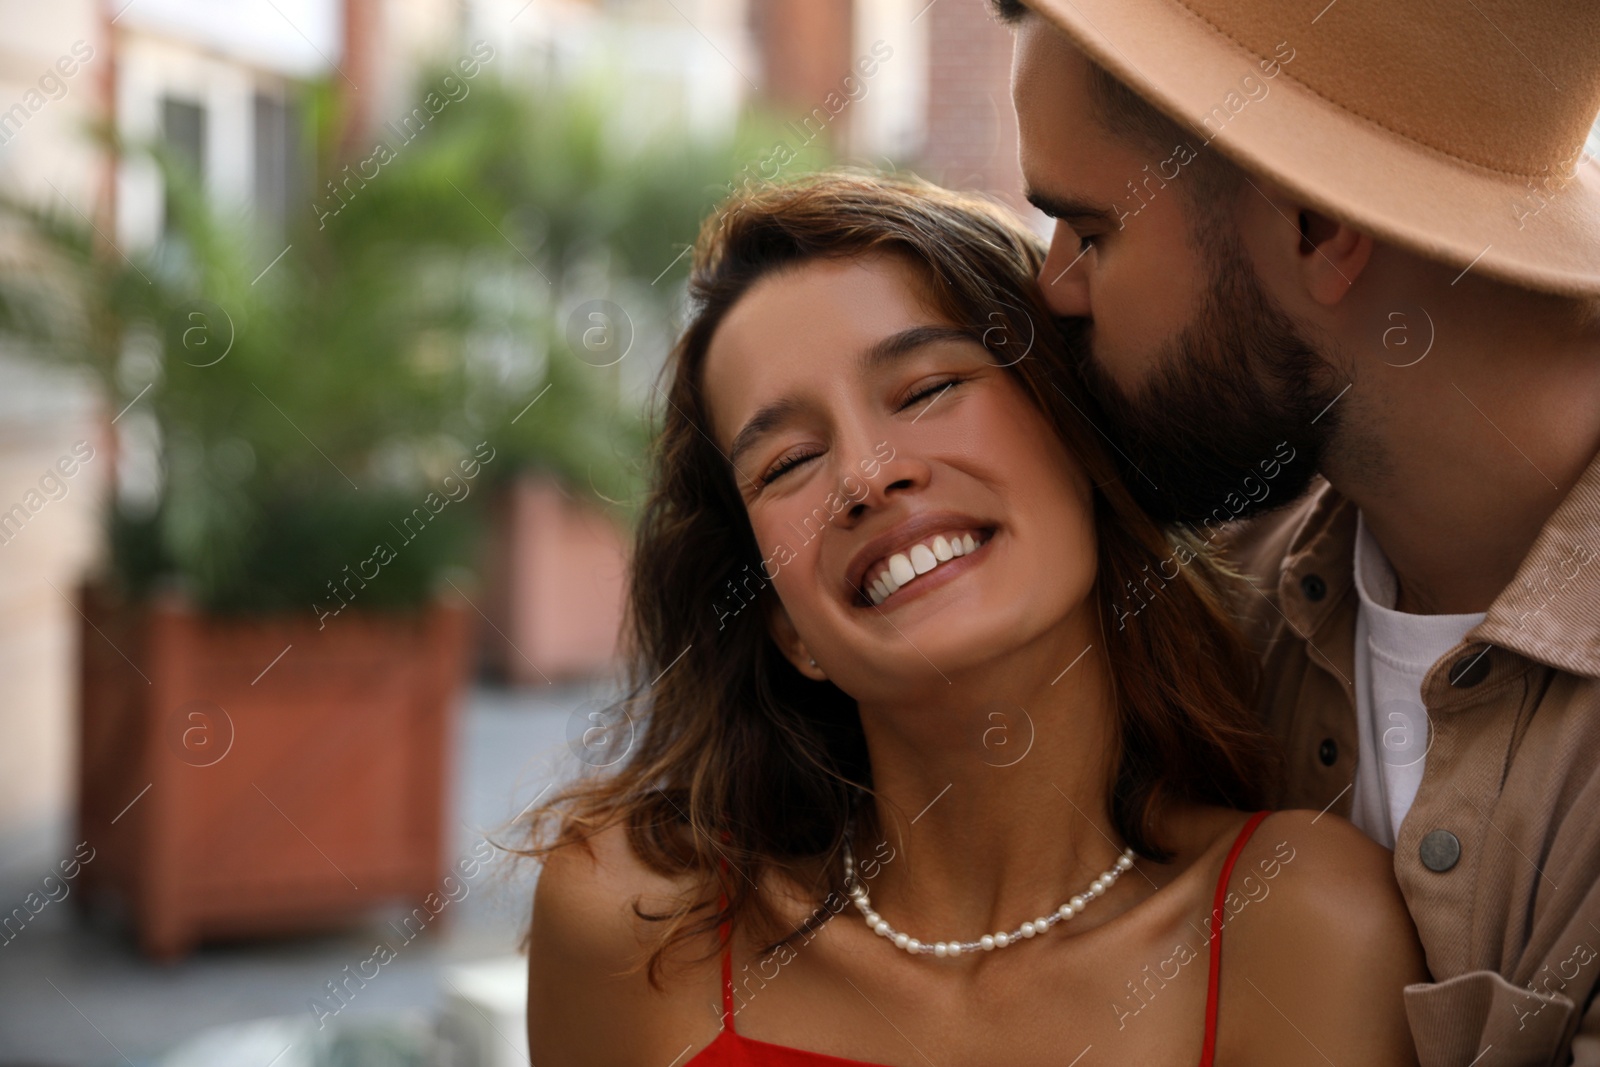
column 183, row 132
column 277, row 161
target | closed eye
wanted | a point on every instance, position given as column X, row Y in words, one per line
column 786, row 464
column 929, row 391
column 789, row 462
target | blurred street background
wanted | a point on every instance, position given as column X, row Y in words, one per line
column 328, row 329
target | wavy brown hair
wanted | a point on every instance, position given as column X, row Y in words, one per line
column 740, row 766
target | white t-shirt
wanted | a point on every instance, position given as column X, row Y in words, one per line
column 1394, row 652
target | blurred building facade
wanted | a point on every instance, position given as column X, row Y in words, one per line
column 48, row 524
column 893, row 83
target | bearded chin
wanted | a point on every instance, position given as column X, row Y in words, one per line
column 1234, row 421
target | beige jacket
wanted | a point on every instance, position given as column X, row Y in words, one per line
column 1499, row 856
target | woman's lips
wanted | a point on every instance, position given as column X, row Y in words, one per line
column 906, row 567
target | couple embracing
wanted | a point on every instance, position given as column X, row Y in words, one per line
column 1209, row 667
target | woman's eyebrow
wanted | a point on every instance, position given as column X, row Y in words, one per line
column 895, row 346
column 879, row 354
column 768, row 418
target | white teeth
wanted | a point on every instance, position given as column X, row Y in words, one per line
column 917, row 560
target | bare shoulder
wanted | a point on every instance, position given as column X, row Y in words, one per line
column 1335, row 887
column 588, row 890
column 587, row 950
column 1319, row 946
column 1329, row 855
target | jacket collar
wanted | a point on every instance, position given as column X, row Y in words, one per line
column 1320, row 559
column 1551, row 610
column 1550, row 613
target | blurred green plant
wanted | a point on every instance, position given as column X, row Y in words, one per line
column 300, row 407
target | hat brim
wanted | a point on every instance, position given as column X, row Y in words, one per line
column 1392, row 187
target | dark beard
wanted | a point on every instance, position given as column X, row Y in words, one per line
column 1224, row 428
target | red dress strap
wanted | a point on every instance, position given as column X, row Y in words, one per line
column 726, row 933
column 1209, row 1049
column 727, row 973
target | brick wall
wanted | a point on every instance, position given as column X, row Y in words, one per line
column 805, row 51
column 972, row 130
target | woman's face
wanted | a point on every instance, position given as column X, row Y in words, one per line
column 916, row 513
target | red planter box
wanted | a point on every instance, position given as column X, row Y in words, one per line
column 241, row 777
column 555, row 581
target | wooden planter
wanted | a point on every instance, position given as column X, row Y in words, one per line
column 243, row 777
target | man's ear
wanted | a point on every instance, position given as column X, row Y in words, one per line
column 1332, row 256
column 784, row 635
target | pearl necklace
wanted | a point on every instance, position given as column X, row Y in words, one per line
column 988, row 942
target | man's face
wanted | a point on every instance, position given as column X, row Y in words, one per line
column 1208, row 387
column 1120, row 257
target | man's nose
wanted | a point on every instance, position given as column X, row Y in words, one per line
column 1065, row 276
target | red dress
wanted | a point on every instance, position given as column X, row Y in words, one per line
column 732, row 1049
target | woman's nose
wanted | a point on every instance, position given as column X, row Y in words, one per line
column 889, row 466
column 1065, row 276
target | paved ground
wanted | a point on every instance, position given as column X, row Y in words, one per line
column 75, row 997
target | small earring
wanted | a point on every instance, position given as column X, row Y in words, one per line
column 813, row 662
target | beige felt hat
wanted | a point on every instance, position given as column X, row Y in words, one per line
column 1455, row 128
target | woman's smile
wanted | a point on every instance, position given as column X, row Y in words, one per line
column 916, row 556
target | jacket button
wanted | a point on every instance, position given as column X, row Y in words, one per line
column 1440, row 850
column 1328, row 752
column 1313, row 587
column 1470, row 669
